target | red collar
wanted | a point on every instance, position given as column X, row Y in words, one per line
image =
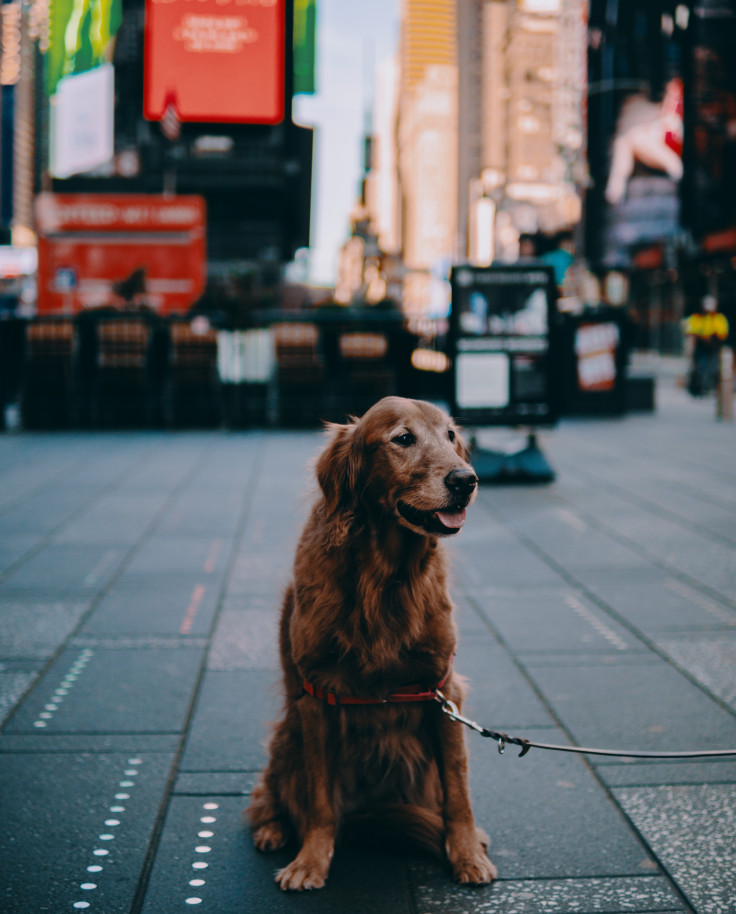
column 402, row 694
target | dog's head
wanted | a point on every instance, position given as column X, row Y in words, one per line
column 404, row 460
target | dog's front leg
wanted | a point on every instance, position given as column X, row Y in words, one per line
column 317, row 825
column 463, row 841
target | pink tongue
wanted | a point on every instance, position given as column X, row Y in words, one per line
column 454, row 520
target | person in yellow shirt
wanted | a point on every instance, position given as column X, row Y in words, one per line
column 705, row 332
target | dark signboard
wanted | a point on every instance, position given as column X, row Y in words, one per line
column 710, row 173
column 501, row 325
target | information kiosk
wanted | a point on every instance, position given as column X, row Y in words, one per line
column 503, row 345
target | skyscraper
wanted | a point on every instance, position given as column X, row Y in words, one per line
column 427, row 148
column 522, row 83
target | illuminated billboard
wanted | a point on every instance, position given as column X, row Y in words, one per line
column 215, row 62
column 636, row 135
column 79, row 81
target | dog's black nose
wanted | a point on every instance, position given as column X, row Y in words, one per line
column 461, row 482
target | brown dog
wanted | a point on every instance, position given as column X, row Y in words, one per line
column 367, row 637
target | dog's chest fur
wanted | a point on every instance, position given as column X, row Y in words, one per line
column 378, row 618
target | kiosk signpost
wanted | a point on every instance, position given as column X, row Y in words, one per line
column 503, row 344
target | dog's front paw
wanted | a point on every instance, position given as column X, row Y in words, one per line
column 476, row 871
column 468, row 859
column 270, row 837
column 303, row 873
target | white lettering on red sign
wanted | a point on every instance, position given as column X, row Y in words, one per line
column 595, row 346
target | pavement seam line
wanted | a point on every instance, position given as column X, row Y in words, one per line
column 144, row 877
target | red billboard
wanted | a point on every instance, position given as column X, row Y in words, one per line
column 119, row 250
column 215, row 60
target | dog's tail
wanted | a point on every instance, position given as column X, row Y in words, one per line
column 396, row 824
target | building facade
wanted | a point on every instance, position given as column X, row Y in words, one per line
column 521, row 142
column 426, row 150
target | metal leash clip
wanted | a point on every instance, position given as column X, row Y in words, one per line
column 453, row 712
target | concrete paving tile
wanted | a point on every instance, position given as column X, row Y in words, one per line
column 245, row 640
column 43, row 742
column 711, row 661
column 167, row 466
column 175, row 605
column 506, row 566
column 645, row 774
column 264, row 574
column 546, row 814
column 167, row 555
column 115, row 517
column 469, row 621
column 64, row 814
column 498, row 694
column 44, row 511
column 662, row 603
column 14, row 545
column 684, row 551
column 107, row 691
column 67, row 567
column 204, row 513
column 232, row 721
column 649, row 706
column 232, row 876
column 544, row 896
column 12, row 686
column 585, row 658
column 138, row 643
column 690, row 829
column 558, row 621
column 267, row 602
column 215, row 783
column 575, row 544
column 36, row 629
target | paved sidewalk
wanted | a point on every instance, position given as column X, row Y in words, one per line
column 140, row 577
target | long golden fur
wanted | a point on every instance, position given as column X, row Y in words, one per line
column 368, row 611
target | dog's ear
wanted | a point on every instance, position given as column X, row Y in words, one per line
column 340, row 467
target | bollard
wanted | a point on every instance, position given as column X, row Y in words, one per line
column 724, row 399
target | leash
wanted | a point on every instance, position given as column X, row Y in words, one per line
column 451, row 710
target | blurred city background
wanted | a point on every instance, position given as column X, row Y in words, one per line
column 181, row 245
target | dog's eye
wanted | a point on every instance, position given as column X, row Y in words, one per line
column 451, row 434
column 406, row 439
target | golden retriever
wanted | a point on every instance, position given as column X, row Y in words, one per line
column 366, row 638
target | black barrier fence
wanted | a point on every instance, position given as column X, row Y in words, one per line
column 101, row 369
column 105, row 369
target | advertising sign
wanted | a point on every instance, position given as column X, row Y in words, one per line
column 500, row 325
column 215, row 61
column 711, row 106
column 596, row 351
column 82, row 122
column 80, row 83
column 119, row 250
column 636, row 128
column 305, row 16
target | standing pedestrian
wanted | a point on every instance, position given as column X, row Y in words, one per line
column 706, row 331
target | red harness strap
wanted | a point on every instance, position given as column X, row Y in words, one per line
column 402, row 694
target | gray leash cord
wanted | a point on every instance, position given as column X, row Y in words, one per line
column 503, row 739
